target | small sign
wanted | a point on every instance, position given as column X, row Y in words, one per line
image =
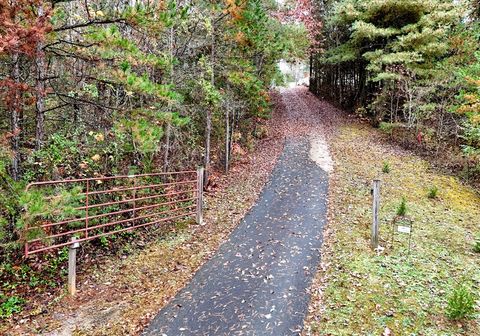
column 404, row 229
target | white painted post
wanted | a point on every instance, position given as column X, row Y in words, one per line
column 200, row 174
column 72, row 266
column 376, row 206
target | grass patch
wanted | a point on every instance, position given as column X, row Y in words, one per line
column 386, row 167
column 362, row 292
column 461, row 303
column 432, row 192
column 476, row 246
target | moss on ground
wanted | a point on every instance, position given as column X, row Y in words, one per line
column 393, row 292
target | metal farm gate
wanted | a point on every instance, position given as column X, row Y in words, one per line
column 88, row 208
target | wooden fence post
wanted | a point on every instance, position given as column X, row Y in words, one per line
column 72, row 267
column 200, row 176
column 376, row 206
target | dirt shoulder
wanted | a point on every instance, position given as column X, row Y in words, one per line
column 393, row 291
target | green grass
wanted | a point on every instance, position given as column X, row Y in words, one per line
column 461, row 303
column 432, row 192
column 407, row 293
column 476, row 246
column 386, row 167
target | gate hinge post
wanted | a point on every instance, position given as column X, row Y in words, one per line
column 200, row 176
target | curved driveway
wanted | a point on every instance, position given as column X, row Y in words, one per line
column 257, row 282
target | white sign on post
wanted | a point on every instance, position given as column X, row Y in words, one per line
column 404, row 229
column 404, row 225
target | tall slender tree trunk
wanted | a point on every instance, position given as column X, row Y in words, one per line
column 169, row 122
column 40, row 91
column 227, row 140
column 208, row 130
column 310, row 76
column 167, row 147
column 15, row 118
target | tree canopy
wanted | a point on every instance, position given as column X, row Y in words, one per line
column 410, row 65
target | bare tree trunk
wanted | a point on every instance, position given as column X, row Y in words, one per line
column 14, row 116
column 310, row 69
column 208, row 130
column 169, row 122
column 40, row 92
column 227, row 140
column 167, row 147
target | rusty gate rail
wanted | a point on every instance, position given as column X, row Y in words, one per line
column 134, row 201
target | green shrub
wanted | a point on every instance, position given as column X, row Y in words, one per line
column 386, row 167
column 432, row 192
column 104, row 242
column 461, row 303
column 402, row 207
column 476, row 247
column 386, row 127
column 10, row 305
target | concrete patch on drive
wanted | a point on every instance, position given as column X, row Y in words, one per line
column 320, row 154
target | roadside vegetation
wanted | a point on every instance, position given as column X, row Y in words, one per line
column 410, row 69
column 431, row 288
column 122, row 283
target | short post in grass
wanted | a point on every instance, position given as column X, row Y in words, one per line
column 200, row 174
column 72, row 266
column 375, row 209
